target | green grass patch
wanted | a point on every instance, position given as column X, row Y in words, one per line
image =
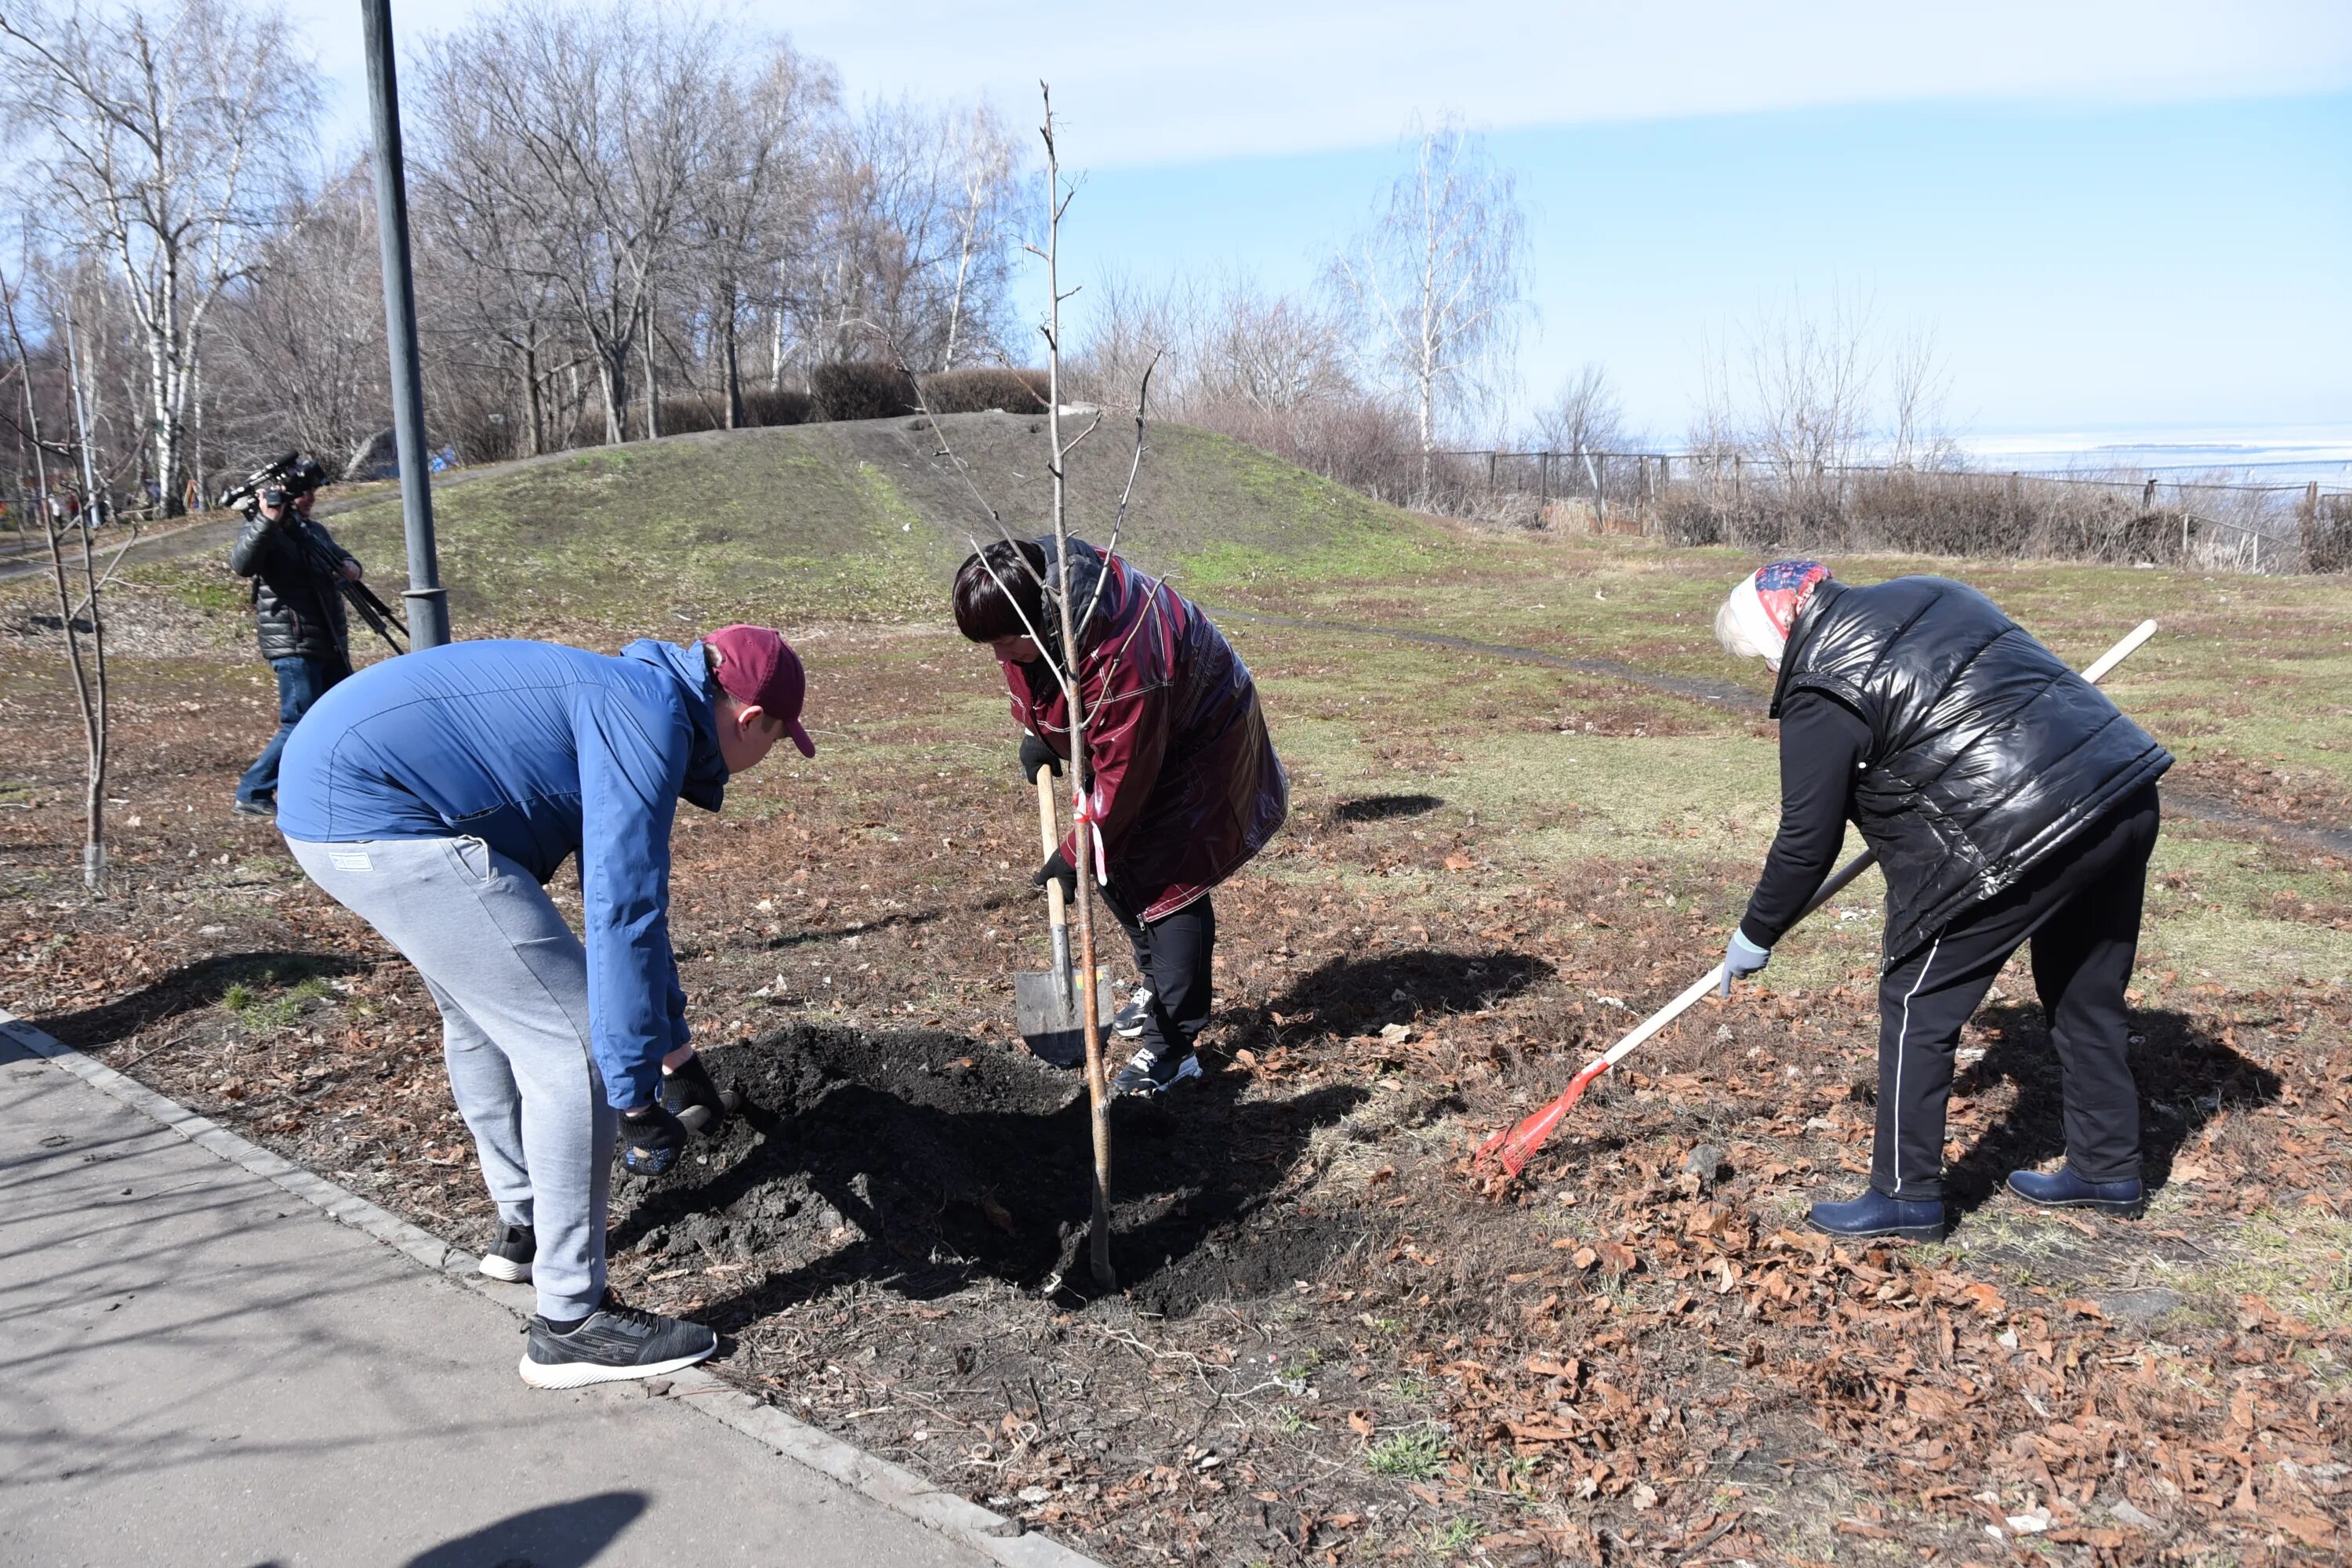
column 1415, row 1455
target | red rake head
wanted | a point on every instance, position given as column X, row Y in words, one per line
column 1515, row 1145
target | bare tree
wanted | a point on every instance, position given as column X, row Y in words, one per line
column 1270, row 353
column 916, row 213
column 1129, row 327
column 588, row 128
column 1436, row 281
column 165, row 136
column 1917, row 382
column 1808, row 376
column 984, row 203
column 88, row 673
column 752, row 206
column 1583, row 417
column 300, row 357
column 1063, row 653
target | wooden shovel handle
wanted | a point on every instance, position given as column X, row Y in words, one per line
column 1049, row 834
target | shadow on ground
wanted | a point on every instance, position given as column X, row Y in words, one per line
column 925, row 1161
column 1384, row 808
column 559, row 1536
column 1349, row 995
column 190, row 987
column 2188, row 1077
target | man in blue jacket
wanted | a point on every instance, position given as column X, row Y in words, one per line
column 434, row 795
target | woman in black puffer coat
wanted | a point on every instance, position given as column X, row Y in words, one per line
column 2010, row 801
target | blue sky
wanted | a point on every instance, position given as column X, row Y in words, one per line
column 2113, row 216
column 2123, row 265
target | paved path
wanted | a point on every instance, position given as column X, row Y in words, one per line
column 198, row 1367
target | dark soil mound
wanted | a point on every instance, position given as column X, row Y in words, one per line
column 952, row 1160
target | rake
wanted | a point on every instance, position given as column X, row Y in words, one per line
column 1515, row 1145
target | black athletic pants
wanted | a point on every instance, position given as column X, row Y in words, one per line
column 2081, row 911
column 1173, row 956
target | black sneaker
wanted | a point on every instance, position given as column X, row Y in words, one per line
column 614, row 1344
column 510, row 1256
column 245, row 807
column 1146, row 1074
column 1129, row 1021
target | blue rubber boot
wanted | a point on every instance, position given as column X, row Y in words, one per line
column 2062, row 1189
column 1875, row 1213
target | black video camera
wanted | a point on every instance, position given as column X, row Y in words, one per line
column 275, row 483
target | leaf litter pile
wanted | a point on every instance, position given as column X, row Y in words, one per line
column 1333, row 1342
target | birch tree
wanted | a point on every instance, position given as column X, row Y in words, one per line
column 984, row 203
column 1437, row 282
column 165, row 136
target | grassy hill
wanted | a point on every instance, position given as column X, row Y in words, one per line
column 867, row 521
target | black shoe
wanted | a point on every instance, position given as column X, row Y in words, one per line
column 510, row 1256
column 1129, row 1021
column 2062, row 1189
column 1146, row 1074
column 245, row 807
column 614, row 1344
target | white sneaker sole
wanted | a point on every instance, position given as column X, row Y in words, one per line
column 580, row 1374
column 1147, row 1089
column 495, row 1268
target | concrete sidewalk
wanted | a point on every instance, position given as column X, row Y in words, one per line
column 196, row 1366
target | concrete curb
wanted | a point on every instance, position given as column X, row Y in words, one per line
column 896, row 1488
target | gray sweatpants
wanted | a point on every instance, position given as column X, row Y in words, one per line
column 512, row 982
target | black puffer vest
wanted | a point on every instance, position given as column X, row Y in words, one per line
column 1986, row 750
column 297, row 609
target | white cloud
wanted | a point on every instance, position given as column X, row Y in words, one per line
column 1237, row 77
column 1217, row 78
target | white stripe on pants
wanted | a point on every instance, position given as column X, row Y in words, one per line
column 512, row 982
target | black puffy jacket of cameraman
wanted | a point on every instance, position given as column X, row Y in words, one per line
column 297, row 609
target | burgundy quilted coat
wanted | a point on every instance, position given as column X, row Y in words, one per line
column 1184, row 781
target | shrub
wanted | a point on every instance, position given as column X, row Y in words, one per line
column 861, row 389
column 985, row 387
column 776, row 405
column 706, row 411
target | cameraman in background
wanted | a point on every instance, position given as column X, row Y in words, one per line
column 298, row 611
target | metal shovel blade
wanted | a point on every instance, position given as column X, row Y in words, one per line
column 1053, row 1019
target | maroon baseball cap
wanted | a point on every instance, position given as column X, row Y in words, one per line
column 757, row 667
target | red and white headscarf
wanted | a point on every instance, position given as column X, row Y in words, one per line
column 1754, row 622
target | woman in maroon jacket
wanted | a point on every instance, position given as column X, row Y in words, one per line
column 1183, row 784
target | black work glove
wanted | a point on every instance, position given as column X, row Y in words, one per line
column 650, row 1140
column 1034, row 754
column 1057, row 869
column 689, row 1094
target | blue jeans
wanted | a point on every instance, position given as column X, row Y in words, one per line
column 301, row 682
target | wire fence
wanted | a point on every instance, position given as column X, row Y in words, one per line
column 1737, row 498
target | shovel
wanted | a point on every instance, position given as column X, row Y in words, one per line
column 1052, row 1007
column 1514, row 1146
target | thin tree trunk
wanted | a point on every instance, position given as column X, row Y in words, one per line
column 776, row 348
column 653, row 383
column 734, row 367
column 533, row 395
column 94, row 712
column 1098, row 1091
column 612, row 378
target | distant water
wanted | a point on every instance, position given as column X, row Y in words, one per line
column 2283, row 456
